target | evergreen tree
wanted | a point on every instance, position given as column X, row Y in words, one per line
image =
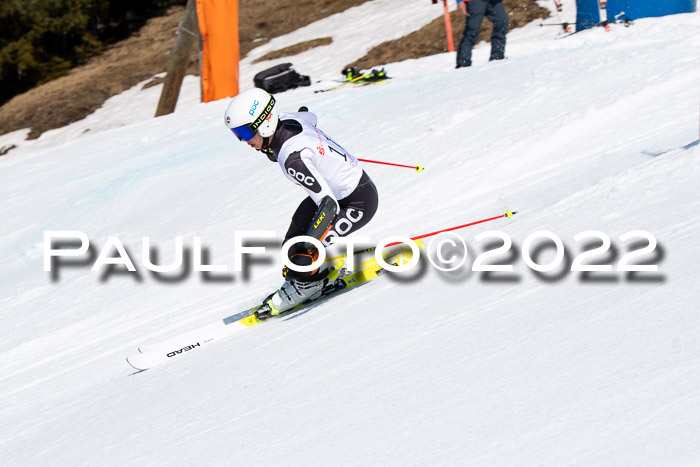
column 41, row 40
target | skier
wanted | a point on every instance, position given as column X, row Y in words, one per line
column 341, row 196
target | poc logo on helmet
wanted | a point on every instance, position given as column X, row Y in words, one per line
column 307, row 180
column 252, row 109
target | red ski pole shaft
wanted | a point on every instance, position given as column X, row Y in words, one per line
column 417, row 168
column 508, row 214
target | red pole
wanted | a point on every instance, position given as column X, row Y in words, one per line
column 508, row 214
column 448, row 28
column 417, row 168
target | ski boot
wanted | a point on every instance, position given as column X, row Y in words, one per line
column 291, row 294
column 295, row 292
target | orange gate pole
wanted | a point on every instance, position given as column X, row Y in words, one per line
column 448, row 28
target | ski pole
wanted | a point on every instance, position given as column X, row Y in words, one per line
column 509, row 214
column 418, row 168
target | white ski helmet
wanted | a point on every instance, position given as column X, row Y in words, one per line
column 250, row 111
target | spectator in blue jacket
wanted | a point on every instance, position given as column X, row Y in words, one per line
column 475, row 10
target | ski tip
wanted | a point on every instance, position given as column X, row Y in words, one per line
column 419, row 168
column 510, row 214
column 136, row 364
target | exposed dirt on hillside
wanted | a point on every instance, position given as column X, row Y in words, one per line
column 72, row 97
column 125, row 64
column 294, row 49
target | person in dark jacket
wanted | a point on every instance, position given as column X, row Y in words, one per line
column 475, row 10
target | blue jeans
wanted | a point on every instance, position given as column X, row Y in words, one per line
column 496, row 13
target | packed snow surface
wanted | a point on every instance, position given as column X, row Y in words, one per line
column 593, row 132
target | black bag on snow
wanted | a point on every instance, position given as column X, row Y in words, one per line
column 280, row 78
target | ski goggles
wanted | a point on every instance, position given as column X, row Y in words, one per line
column 247, row 131
column 244, row 132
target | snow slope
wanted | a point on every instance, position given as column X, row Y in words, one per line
column 598, row 131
